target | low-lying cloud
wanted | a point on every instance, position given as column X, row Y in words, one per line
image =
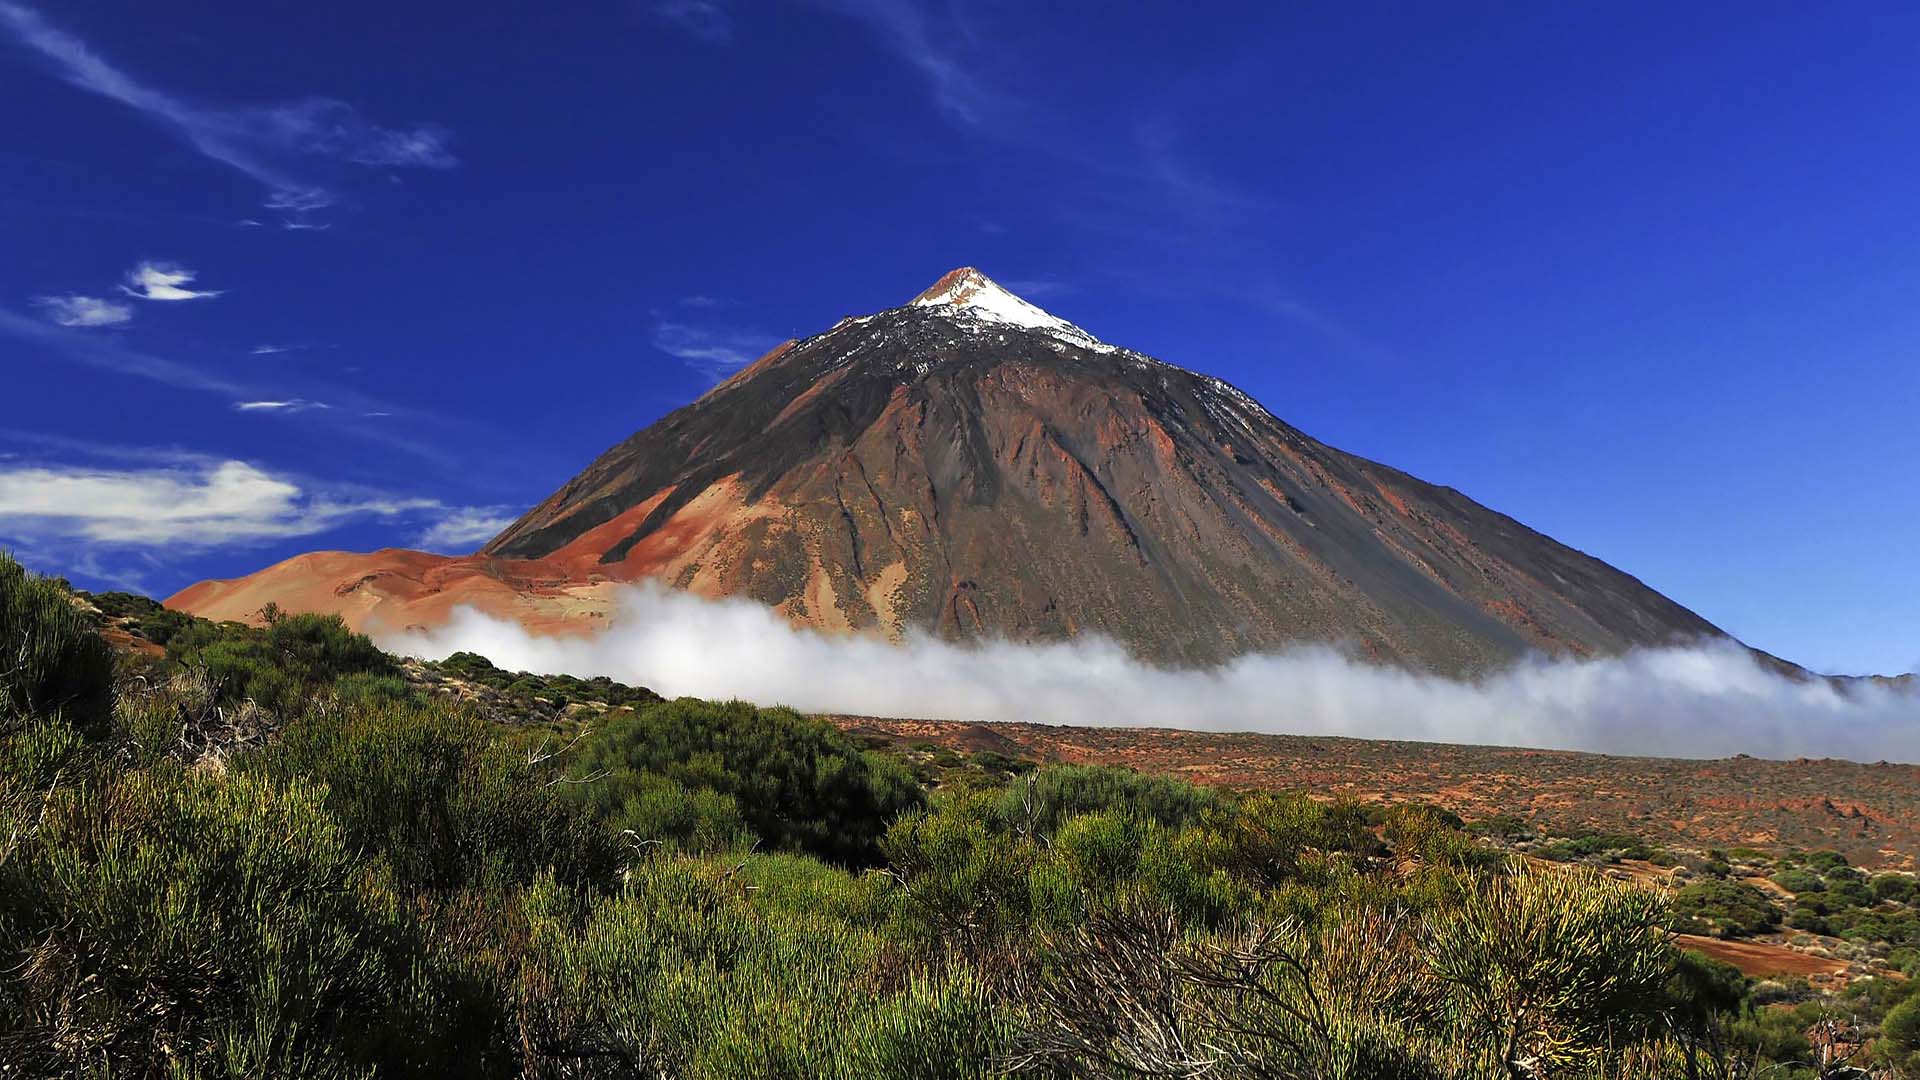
column 1713, row 700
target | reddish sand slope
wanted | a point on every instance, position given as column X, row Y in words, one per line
column 1762, row 959
column 396, row 589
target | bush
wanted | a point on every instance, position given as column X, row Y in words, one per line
column 1275, row 840
column 964, row 882
column 1724, row 909
column 1799, row 881
column 182, row 923
column 1603, row 847
column 1899, row 888
column 688, row 974
column 52, row 663
column 1041, row 802
column 427, row 790
column 1556, row 967
column 1902, row 1025
column 282, row 666
column 798, row 782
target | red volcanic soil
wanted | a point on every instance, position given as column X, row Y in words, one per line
column 1763, row 959
column 395, row 589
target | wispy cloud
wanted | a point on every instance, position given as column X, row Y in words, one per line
column 265, row 142
column 164, row 281
column 1170, row 171
column 704, row 19
column 231, row 502
column 969, row 74
column 76, row 310
column 465, row 528
column 107, row 353
column 294, row 405
column 269, row 350
column 1036, row 287
column 97, row 351
column 916, row 35
column 714, row 351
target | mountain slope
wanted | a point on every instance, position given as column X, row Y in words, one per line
column 974, row 466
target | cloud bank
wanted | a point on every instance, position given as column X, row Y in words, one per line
column 1709, row 701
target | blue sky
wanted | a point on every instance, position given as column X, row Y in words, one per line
column 277, row 277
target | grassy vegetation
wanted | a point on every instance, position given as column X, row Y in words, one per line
column 279, row 852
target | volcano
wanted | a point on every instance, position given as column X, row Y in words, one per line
column 968, row 465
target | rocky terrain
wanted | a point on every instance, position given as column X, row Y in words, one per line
column 1870, row 812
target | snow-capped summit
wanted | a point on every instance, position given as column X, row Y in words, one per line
column 968, row 292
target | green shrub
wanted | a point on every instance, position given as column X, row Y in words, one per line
column 1798, row 882
column 1039, row 803
column 693, row 820
column 426, row 789
column 1823, row 862
column 1902, row 1025
column 1275, row 840
column 1419, row 830
column 965, row 882
column 1899, row 888
column 52, row 663
column 1505, row 826
column 798, row 782
column 689, row 974
column 1553, row 967
column 1602, row 847
column 1724, row 909
column 283, row 665
column 183, row 922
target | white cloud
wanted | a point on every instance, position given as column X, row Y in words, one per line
column 1713, row 700
column 293, row 405
column 76, row 310
column 714, row 351
column 268, row 350
column 465, row 528
column 163, row 281
column 266, row 142
column 229, row 502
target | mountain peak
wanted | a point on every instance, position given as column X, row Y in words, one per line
column 966, row 291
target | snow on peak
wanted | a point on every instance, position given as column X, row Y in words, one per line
column 968, row 292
